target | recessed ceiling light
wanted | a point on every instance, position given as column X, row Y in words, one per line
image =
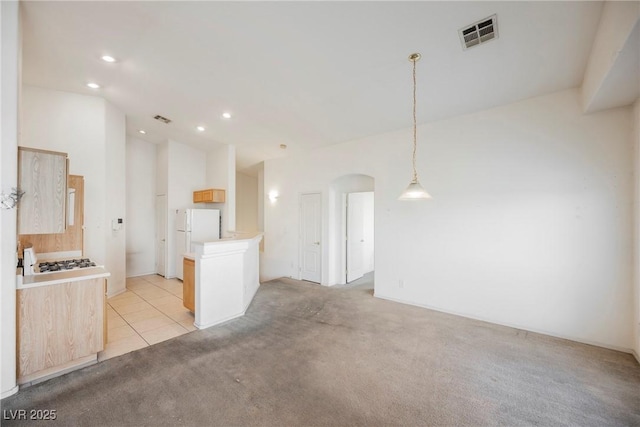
column 200, row 128
column 108, row 58
column 142, row 131
column 93, row 85
column 226, row 116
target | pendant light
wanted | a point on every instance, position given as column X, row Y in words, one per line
column 414, row 191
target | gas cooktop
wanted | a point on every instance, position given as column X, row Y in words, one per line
column 69, row 264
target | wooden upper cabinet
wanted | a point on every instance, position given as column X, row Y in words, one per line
column 210, row 195
column 73, row 236
column 42, row 175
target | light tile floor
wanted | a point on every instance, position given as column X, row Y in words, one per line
column 149, row 312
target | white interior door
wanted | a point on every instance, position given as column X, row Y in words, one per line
column 161, row 234
column 310, row 237
column 355, row 236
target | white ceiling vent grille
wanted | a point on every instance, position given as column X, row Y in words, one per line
column 479, row 32
column 162, row 119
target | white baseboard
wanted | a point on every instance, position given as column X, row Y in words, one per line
column 118, row 292
column 218, row 322
column 141, row 274
column 9, row 392
column 635, row 354
column 537, row 331
column 250, row 299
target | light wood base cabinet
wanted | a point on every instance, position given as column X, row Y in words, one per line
column 188, row 284
column 59, row 326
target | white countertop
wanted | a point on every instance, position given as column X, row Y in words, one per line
column 47, row 279
column 237, row 237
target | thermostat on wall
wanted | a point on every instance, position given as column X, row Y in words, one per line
column 116, row 224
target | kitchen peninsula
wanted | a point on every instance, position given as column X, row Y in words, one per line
column 226, row 278
column 61, row 322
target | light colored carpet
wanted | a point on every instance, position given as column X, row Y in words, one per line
column 305, row 355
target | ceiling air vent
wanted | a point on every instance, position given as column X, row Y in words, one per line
column 162, row 119
column 479, row 32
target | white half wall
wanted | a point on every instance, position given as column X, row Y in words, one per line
column 82, row 126
column 530, row 224
column 246, row 203
column 141, row 199
column 9, row 107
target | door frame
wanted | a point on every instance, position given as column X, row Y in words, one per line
column 347, row 226
column 344, row 232
column 322, row 234
column 161, row 198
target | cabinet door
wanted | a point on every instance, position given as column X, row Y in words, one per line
column 188, row 284
column 207, row 195
column 105, row 317
column 210, row 195
column 218, row 196
column 58, row 324
column 42, row 175
column 72, row 238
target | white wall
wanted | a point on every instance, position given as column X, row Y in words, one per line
column 616, row 24
column 246, row 202
column 636, row 223
column 162, row 188
column 261, row 196
column 182, row 169
column 530, row 224
column 83, row 126
column 73, row 124
column 9, row 99
column 369, row 232
column 116, row 198
column 221, row 173
column 141, row 200
column 186, row 173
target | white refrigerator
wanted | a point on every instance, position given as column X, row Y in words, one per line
column 194, row 225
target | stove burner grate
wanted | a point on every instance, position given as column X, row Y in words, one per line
column 71, row 264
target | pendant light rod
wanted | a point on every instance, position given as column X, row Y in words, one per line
column 414, row 57
column 414, row 191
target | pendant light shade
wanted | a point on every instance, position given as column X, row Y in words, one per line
column 414, row 191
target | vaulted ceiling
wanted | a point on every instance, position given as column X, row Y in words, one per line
column 304, row 74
